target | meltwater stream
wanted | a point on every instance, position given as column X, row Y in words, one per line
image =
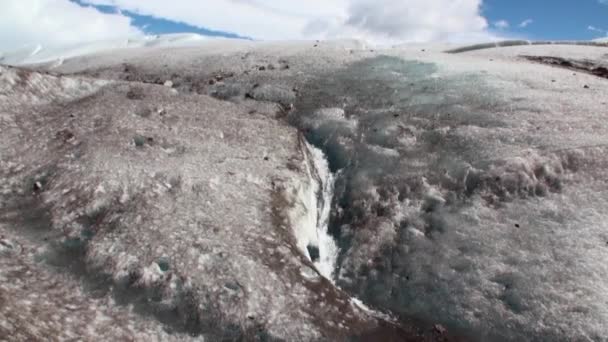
column 313, row 236
column 312, row 229
column 449, row 211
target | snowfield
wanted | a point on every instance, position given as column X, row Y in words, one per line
column 57, row 54
column 178, row 188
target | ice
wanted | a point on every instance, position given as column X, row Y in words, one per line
column 304, row 215
column 328, row 250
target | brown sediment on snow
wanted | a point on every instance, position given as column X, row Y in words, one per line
column 586, row 66
column 509, row 43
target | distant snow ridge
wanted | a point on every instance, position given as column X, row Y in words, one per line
column 40, row 54
column 508, row 43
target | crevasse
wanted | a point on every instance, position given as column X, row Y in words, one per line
column 311, row 220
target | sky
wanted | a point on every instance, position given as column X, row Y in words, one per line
column 65, row 22
column 550, row 19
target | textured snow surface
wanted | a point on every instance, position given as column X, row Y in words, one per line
column 307, row 191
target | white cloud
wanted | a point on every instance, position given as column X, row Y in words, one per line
column 255, row 18
column 396, row 20
column 61, row 22
column 528, row 22
column 416, row 20
column 501, row 24
column 57, row 22
column 598, row 30
column 595, row 29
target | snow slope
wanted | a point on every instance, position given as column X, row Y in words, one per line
column 41, row 54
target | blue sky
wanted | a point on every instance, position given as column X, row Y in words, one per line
column 552, row 19
column 153, row 25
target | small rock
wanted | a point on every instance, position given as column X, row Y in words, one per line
column 163, row 264
column 262, row 68
column 586, row 86
column 65, row 135
column 37, row 186
column 232, row 285
column 139, row 141
column 168, row 84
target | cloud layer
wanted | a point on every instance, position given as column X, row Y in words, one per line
column 57, row 22
column 396, row 20
column 62, row 22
